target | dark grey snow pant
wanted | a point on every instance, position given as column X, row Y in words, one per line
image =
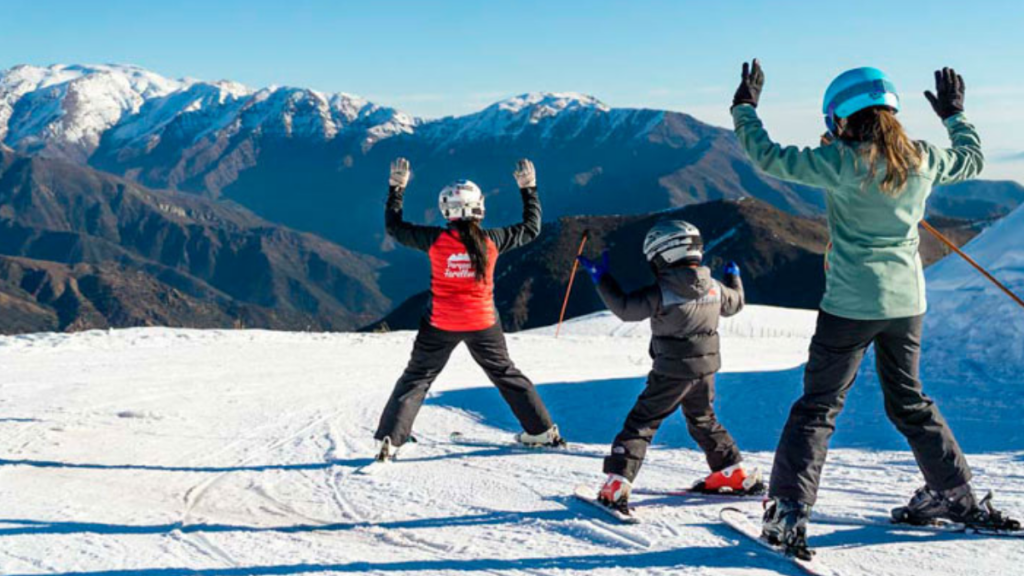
column 836, row 352
column 430, row 353
column 663, row 395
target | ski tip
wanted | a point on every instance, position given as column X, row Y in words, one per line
column 585, row 490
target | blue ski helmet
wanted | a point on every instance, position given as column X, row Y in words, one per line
column 855, row 90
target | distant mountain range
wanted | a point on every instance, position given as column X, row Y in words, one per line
column 317, row 163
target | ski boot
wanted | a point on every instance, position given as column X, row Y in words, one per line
column 614, row 494
column 928, row 507
column 549, row 439
column 785, row 526
column 734, row 480
column 387, row 451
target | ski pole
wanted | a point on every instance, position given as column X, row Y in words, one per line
column 942, row 238
column 572, row 276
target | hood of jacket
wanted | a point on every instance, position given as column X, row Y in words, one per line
column 690, row 283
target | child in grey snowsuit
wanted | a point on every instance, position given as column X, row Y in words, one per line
column 684, row 306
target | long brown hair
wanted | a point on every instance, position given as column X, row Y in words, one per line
column 475, row 241
column 888, row 141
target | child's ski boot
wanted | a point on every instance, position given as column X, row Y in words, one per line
column 614, row 494
column 734, row 480
column 785, row 526
column 547, row 439
column 386, row 451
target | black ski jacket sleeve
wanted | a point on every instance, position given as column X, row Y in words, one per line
column 631, row 307
column 732, row 295
column 412, row 235
column 517, row 235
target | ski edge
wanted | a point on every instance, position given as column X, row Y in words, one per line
column 740, row 522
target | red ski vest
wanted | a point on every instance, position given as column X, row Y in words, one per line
column 459, row 303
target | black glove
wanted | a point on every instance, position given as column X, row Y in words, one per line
column 751, row 83
column 950, row 88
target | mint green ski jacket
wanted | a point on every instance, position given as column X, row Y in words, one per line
column 872, row 267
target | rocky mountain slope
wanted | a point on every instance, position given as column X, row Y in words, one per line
column 83, row 249
column 781, row 256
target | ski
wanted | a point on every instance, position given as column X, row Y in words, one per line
column 740, row 522
column 466, row 440
column 939, row 526
column 697, row 495
column 589, row 495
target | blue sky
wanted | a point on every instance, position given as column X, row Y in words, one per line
column 435, row 58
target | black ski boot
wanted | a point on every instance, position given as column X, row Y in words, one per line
column 959, row 505
column 785, row 525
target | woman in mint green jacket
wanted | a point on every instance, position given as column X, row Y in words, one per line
column 876, row 181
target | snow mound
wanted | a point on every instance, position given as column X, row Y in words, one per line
column 973, row 328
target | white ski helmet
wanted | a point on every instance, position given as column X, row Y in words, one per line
column 672, row 241
column 461, row 200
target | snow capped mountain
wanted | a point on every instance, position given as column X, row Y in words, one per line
column 546, row 114
column 67, row 111
column 973, row 328
column 68, row 108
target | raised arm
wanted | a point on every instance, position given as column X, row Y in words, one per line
column 964, row 160
column 629, row 307
column 411, row 235
column 732, row 291
column 523, row 233
column 818, row 167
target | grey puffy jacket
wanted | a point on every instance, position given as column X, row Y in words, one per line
column 684, row 306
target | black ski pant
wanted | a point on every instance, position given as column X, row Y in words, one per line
column 838, row 346
column 430, row 353
column 663, row 395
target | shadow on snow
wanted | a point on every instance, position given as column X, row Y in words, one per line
column 754, row 406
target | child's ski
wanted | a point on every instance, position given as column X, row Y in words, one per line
column 589, row 495
column 698, row 495
column 938, row 526
column 466, row 440
column 741, row 523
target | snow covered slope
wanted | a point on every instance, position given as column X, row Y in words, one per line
column 160, row 452
column 973, row 328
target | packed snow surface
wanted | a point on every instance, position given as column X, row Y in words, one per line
column 160, row 452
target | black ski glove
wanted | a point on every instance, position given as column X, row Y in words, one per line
column 751, row 82
column 950, row 88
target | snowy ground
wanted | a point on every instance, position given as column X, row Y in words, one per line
column 161, row 452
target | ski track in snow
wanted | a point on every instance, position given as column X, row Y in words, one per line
column 159, row 452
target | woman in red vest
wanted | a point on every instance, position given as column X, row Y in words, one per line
column 461, row 309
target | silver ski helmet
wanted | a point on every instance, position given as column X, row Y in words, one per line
column 461, row 200
column 670, row 242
